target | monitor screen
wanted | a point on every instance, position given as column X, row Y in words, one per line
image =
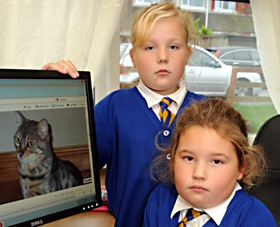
column 48, row 158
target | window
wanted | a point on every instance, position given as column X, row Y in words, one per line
column 255, row 55
column 200, row 59
column 222, row 5
column 192, row 3
column 237, row 55
column 242, row 55
column 145, row 2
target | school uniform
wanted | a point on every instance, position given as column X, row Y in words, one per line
column 239, row 210
column 126, row 127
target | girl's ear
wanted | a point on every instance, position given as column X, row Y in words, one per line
column 132, row 58
column 242, row 170
column 189, row 54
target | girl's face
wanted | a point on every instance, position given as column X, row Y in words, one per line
column 161, row 60
column 205, row 167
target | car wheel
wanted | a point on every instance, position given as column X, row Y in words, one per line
column 243, row 91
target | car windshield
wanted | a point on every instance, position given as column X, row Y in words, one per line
column 123, row 47
column 200, row 58
column 243, row 55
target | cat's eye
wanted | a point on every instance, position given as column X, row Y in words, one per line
column 30, row 144
column 17, row 140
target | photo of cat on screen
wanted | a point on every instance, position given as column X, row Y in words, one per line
column 43, row 151
column 40, row 171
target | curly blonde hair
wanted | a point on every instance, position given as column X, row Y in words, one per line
column 217, row 114
column 145, row 19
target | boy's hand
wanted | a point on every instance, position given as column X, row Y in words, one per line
column 64, row 67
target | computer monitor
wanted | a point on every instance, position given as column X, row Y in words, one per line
column 48, row 157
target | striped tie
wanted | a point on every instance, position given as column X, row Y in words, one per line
column 166, row 115
column 191, row 214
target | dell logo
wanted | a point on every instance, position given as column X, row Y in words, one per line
column 35, row 223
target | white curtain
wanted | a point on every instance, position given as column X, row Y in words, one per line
column 34, row 32
column 266, row 17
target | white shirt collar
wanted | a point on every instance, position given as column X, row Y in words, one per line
column 152, row 98
column 216, row 213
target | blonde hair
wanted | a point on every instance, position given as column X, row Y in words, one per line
column 146, row 18
column 216, row 114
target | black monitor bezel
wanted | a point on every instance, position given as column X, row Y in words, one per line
column 50, row 74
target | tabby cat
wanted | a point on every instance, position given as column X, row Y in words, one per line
column 40, row 171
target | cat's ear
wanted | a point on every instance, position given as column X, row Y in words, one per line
column 43, row 129
column 20, row 118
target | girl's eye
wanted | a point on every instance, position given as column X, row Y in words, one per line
column 149, row 48
column 188, row 158
column 217, row 162
column 173, row 47
column 30, row 144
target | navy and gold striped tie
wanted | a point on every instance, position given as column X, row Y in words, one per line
column 166, row 115
column 191, row 214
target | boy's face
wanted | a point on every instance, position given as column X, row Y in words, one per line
column 161, row 60
column 205, row 167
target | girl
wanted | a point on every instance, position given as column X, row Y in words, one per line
column 207, row 162
column 128, row 120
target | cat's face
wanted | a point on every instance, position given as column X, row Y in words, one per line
column 31, row 139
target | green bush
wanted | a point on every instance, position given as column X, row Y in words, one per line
column 202, row 30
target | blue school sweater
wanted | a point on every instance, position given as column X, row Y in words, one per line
column 126, row 129
column 244, row 210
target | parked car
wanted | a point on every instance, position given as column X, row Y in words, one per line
column 125, row 59
column 128, row 74
column 237, row 55
column 204, row 74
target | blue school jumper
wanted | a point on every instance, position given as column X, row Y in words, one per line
column 126, row 129
column 244, row 210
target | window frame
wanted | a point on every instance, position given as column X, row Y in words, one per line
column 144, row 2
column 189, row 6
column 222, row 8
